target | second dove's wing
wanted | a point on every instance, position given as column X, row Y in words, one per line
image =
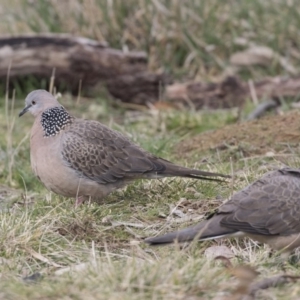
column 269, row 206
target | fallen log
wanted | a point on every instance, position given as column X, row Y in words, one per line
column 79, row 63
column 85, row 64
column 232, row 92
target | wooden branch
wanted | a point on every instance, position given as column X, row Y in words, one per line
column 80, row 61
column 226, row 94
column 231, row 92
column 76, row 59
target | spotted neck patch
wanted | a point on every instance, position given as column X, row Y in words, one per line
column 54, row 120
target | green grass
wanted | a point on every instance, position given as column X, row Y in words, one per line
column 96, row 251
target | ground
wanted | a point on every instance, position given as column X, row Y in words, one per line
column 272, row 135
column 97, row 251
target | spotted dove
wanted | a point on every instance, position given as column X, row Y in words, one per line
column 267, row 211
column 82, row 158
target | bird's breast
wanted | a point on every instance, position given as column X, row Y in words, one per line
column 50, row 167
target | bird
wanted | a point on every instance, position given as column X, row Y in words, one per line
column 85, row 159
column 268, row 211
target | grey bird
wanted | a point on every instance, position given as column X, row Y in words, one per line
column 267, row 211
column 83, row 158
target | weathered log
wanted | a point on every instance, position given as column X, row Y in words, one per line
column 231, row 92
column 85, row 63
column 199, row 95
column 79, row 62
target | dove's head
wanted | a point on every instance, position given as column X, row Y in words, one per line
column 39, row 101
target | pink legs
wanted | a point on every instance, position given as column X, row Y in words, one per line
column 79, row 201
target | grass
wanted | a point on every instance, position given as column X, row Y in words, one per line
column 96, row 251
column 188, row 39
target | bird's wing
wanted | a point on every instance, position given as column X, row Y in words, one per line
column 104, row 155
column 269, row 206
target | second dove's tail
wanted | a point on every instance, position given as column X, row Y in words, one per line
column 206, row 230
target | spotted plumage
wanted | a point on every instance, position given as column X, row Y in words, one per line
column 54, row 120
column 98, row 153
column 84, row 158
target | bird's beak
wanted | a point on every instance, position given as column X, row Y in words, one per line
column 24, row 111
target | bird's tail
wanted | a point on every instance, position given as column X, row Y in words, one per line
column 175, row 170
column 209, row 229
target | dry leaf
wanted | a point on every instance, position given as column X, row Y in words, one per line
column 215, row 251
column 76, row 268
column 42, row 258
column 258, row 55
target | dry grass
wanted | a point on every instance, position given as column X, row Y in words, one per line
column 189, row 39
column 96, row 251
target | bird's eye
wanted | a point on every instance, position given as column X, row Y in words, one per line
column 33, row 102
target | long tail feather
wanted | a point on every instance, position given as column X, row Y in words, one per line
column 205, row 230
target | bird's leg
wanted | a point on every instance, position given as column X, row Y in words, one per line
column 79, row 200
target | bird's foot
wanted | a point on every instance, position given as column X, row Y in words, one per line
column 79, row 201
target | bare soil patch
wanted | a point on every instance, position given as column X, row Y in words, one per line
column 278, row 134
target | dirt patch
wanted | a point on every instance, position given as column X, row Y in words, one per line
column 272, row 134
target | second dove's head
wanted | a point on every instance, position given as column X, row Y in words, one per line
column 38, row 101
